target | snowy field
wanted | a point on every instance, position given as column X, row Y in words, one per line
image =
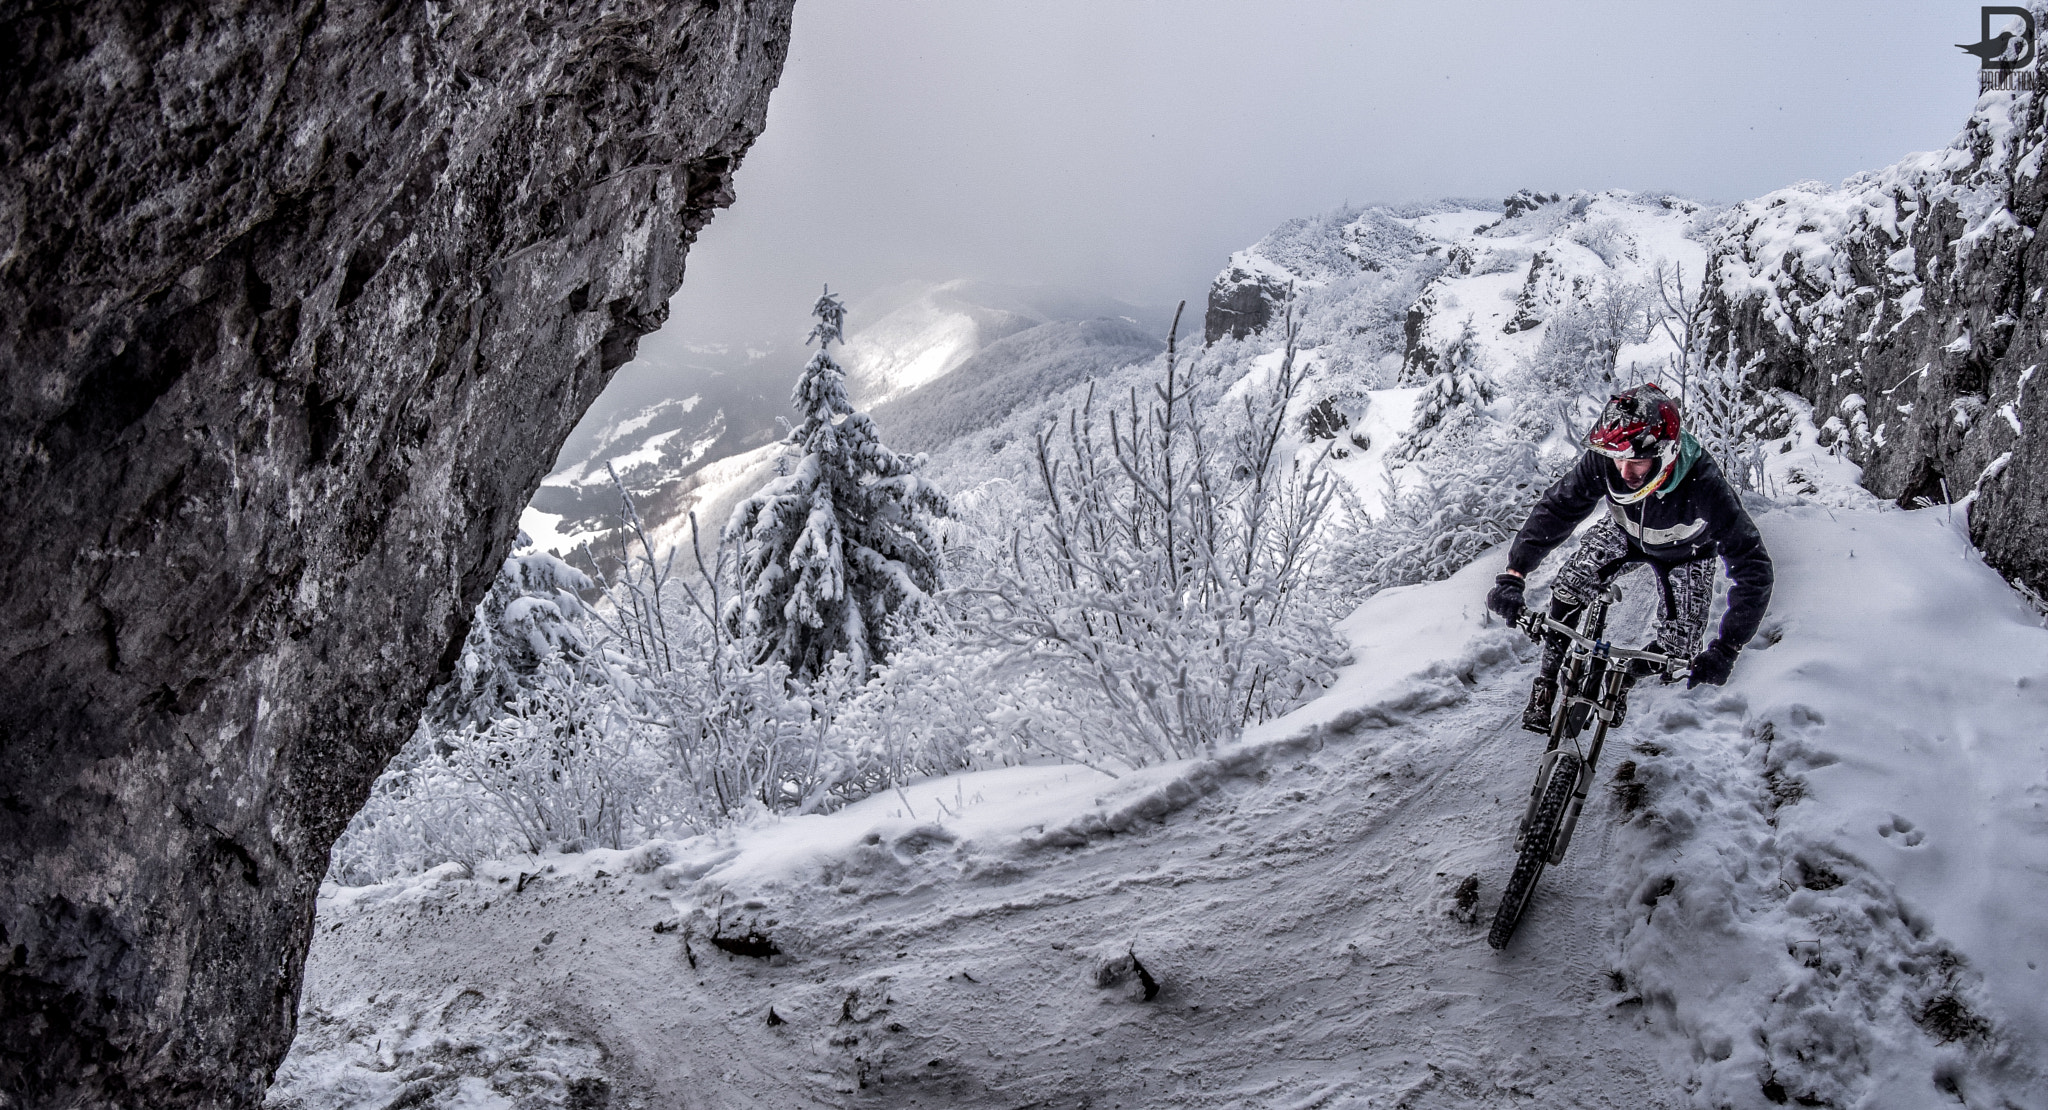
column 1818, row 885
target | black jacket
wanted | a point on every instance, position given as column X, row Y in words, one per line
column 1696, row 517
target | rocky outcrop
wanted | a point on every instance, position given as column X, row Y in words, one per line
column 1242, row 300
column 301, row 300
column 1525, row 201
column 1543, row 290
column 1906, row 305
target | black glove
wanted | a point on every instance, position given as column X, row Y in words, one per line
column 1711, row 667
column 1505, row 598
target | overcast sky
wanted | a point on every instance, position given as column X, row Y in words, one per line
column 1128, row 148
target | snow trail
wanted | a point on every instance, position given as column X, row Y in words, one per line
column 1723, row 936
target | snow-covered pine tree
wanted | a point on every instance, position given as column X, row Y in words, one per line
column 1452, row 398
column 528, row 616
column 839, row 544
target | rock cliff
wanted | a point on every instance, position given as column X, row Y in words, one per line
column 1906, row 305
column 301, row 299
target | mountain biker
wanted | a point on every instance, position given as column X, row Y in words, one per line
column 1668, row 507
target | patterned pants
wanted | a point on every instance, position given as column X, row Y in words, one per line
column 1687, row 589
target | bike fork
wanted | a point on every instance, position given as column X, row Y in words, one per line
column 1536, row 794
column 1611, row 683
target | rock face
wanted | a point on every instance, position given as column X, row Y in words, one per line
column 1906, row 306
column 1312, row 253
column 301, row 299
column 1241, row 302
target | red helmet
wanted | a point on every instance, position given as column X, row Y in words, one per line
column 1639, row 423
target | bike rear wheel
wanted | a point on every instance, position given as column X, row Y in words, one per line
column 1536, row 840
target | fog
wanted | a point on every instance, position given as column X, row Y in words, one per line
column 1128, row 148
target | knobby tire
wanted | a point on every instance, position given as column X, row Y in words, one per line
column 1557, row 794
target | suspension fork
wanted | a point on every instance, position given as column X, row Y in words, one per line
column 1610, row 687
column 1570, row 678
column 1567, row 681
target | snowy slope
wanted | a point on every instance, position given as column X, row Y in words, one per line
column 1510, row 275
column 1387, row 416
column 1012, row 374
column 920, row 341
column 1831, row 865
column 1542, row 304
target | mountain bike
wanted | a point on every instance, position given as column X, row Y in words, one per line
column 1590, row 684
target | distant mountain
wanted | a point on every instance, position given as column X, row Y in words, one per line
column 691, row 429
column 1013, row 372
column 912, row 335
column 660, row 424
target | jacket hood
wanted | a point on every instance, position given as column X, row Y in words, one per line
column 1689, row 452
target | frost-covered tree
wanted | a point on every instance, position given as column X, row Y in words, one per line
column 1451, row 401
column 1577, row 362
column 838, row 545
column 1720, row 402
column 1158, row 607
column 528, row 616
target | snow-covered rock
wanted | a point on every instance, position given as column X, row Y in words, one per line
column 1904, row 303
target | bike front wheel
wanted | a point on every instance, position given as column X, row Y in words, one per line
column 1536, row 841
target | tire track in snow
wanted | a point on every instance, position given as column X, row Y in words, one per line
column 1377, row 1022
column 1298, row 928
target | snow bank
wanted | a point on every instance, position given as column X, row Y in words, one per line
column 1840, row 858
column 1415, row 649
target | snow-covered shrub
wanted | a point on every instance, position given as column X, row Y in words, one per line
column 563, row 766
column 1158, row 608
column 1605, row 238
column 1450, row 403
column 1577, row 362
column 1461, row 505
column 1720, row 404
column 530, row 614
column 417, row 817
column 1567, row 370
column 1357, row 326
column 921, row 714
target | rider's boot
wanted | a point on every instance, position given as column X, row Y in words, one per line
column 1636, row 672
column 1543, row 691
column 1621, row 702
column 1536, row 716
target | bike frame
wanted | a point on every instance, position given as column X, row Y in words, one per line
column 1589, row 682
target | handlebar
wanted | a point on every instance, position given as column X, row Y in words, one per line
column 1536, row 624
